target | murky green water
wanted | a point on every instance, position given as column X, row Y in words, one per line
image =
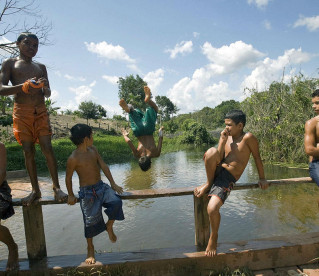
column 169, row 222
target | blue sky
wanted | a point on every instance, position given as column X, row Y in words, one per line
column 197, row 53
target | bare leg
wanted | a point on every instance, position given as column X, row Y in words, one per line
column 214, row 217
column 46, row 148
column 13, row 258
column 29, row 153
column 90, row 256
column 212, row 159
column 148, row 100
column 124, row 105
column 109, row 230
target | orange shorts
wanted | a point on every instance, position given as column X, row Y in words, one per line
column 30, row 122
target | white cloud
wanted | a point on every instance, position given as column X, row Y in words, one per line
column 154, row 79
column 72, row 78
column 182, row 48
column 54, row 95
column 111, row 79
column 196, row 34
column 267, row 24
column 109, row 51
column 312, row 23
column 259, row 3
column 228, row 59
column 3, row 53
column 270, row 70
column 82, row 93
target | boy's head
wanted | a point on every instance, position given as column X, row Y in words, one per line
column 315, row 101
column 28, row 44
column 315, row 93
column 79, row 132
column 237, row 116
column 144, row 163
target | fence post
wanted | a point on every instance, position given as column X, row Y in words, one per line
column 201, row 221
column 34, row 231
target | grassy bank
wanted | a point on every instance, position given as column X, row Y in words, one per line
column 113, row 149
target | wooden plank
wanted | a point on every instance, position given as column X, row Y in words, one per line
column 34, row 232
column 202, row 225
column 150, row 193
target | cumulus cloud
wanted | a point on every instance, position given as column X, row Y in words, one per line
column 72, row 78
column 228, row 59
column 184, row 47
column 311, row 23
column 82, row 93
column 259, row 3
column 154, row 79
column 270, row 70
column 196, row 34
column 108, row 51
column 54, row 95
column 111, row 79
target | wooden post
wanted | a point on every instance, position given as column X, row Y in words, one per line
column 201, row 221
column 34, row 232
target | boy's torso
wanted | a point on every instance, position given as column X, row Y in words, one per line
column 314, row 122
column 87, row 167
column 236, row 156
column 146, row 146
column 22, row 71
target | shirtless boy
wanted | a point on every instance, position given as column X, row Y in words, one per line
column 143, row 126
column 312, row 139
column 224, row 166
column 93, row 194
column 31, row 123
column 6, row 211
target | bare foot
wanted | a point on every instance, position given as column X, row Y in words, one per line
column 59, row 195
column 147, row 92
column 124, row 105
column 109, row 230
column 201, row 190
column 90, row 256
column 13, row 258
column 32, row 197
column 211, row 249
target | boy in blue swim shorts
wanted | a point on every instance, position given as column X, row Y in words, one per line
column 143, row 126
column 312, row 139
column 94, row 193
column 224, row 165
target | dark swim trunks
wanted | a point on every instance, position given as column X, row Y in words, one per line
column 6, row 208
column 92, row 199
column 314, row 171
column 223, row 183
column 143, row 123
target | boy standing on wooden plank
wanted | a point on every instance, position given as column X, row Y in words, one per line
column 94, row 193
column 224, row 166
column 6, row 211
column 31, row 123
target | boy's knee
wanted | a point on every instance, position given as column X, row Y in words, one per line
column 29, row 151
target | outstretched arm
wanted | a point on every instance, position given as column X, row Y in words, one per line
column 106, row 170
column 310, row 138
column 3, row 163
column 160, row 141
column 254, row 148
column 129, row 142
column 70, row 167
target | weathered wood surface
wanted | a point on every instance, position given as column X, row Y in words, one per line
column 150, row 193
column 262, row 254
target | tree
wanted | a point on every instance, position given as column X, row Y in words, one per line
column 90, row 110
column 31, row 21
column 49, row 105
column 166, row 107
column 5, row 102
column 132, row 91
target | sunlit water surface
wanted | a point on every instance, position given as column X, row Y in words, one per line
column 169, row 222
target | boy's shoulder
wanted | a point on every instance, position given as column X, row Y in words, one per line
column 9, row 62
column 313, row 121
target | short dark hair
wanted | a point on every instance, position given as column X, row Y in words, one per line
column 315, row 93
column 79, row 132
column 145, row 163
column 23, row 35
column 237, row 116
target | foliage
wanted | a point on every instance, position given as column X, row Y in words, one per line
column 49, row 105
column 197, row 134
column 132, row 91
column 68, row 112
column 170, row 126
column 5, row 102
column 277, row 117
column 166, row 107
column 119, row 118
column 90, row 110
column 243, row 271
column 6, row 120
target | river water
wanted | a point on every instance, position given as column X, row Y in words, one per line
column 169, row 222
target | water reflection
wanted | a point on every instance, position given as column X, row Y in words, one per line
column 169, row 222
